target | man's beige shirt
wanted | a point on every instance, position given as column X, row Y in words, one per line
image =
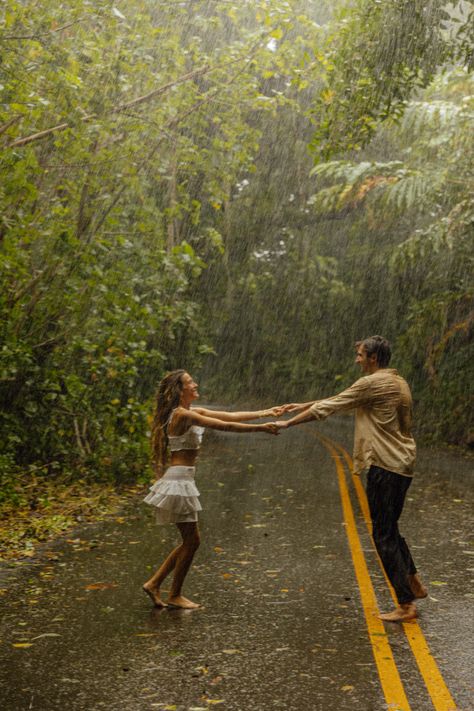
column 383, row 416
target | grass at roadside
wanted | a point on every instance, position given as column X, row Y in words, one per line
column 44, row 508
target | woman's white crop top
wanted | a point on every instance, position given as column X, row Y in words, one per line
column 191, row 439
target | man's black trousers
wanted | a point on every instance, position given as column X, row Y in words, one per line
column 386, row 493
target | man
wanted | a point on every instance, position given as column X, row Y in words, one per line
column 384, row 446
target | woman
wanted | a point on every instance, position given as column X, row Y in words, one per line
column 175, row 495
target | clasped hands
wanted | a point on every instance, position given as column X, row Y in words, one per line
column 278, row 411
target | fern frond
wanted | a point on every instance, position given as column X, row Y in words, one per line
column 422, row 116
column 329, row 199
column 352, row 173
column 411, row 190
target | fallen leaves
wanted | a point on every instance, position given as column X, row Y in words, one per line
column 22, row 645
column 202, row 670
column 100, row 586
column 58, row 506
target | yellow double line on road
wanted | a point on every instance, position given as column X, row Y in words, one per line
column 389, row 676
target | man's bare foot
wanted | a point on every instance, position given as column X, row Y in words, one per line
column 183, row 602
column 154, row 594
column 417, row 587
column 403, row 613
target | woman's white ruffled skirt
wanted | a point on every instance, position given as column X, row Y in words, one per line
column 175, row 496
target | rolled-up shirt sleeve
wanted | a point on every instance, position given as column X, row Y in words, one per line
column 356, row 396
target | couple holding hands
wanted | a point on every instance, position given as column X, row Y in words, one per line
column 383, row 445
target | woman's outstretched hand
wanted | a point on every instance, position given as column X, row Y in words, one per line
column 282, row 424
column 276, row 411
column 270, row 428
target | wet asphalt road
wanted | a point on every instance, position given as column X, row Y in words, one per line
column 281, row 624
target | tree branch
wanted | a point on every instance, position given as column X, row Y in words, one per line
column 139, row 100
column 42, row 34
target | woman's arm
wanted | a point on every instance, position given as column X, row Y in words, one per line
column 196, row 417
column 240, row 416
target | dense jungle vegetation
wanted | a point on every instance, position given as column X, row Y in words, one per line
column 239, row 188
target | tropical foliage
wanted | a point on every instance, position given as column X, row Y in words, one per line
column 156, row 210
column 425, row 197
column 124, row 131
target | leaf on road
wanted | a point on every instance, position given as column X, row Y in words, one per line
column 231, row 651
column 347, row 687
column 203, row 670
column 227, row 576
column 22, row 645
column 437, row 582
column 46, row 634
column 100, row 586
column 218, row 549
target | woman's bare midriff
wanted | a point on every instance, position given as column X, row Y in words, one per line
column 184, row 458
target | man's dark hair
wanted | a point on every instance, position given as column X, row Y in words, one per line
column 378, row 346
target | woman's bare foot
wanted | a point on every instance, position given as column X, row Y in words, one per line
column 183, row 602
column 154, row 594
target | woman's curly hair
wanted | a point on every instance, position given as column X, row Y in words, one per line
column 168, row 398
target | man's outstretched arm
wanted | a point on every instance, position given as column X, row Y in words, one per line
column 305, row 416
column 354, row 396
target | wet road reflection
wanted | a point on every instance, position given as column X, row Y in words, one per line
column 282, row 625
